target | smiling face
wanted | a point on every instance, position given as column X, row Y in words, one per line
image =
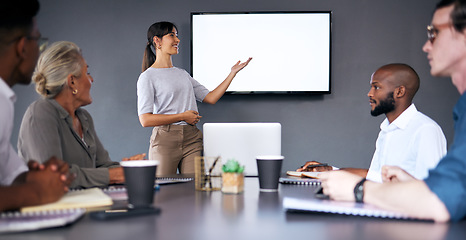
column 447, row 52
column 169, row 43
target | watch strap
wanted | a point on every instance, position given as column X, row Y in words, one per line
column 359, row 191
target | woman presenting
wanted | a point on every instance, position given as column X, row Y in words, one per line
column 167, row 101
column 56, row 125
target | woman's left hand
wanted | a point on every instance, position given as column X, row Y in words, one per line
column 240, row 65
column 141, row 156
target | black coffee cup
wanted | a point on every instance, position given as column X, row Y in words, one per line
column 139, row 182
column 269, row 168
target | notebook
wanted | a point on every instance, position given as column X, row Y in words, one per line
column 242, row 142
column 29, row 221
column 299, row 180
column 339, row 207
column 87, row 198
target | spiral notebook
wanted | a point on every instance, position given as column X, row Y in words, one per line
column 299, row 180
column 339, row 207
column 29, row 221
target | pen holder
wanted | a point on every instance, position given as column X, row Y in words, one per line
column 208, row 173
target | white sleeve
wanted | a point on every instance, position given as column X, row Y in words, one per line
column 11, row 165
column 431, row 147
column 146, row 93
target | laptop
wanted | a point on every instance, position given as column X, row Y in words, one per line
column 242, row 142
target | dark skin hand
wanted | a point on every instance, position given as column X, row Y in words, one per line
column 42, row 184
column 55, row 164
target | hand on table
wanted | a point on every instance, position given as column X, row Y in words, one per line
column 47, row 184
column 339, row 185
column 56, row 165
column 314, row 166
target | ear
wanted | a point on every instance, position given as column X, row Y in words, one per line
column 400, row 92
column 70, row 80
column 21, row 47
column 157, row 41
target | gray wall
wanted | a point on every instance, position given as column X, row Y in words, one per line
column 335, row 128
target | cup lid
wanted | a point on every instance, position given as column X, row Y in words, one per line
column 139, row 163
column 270, row 157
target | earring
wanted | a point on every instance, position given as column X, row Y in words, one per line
column 75, row 91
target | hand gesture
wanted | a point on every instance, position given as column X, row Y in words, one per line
column 191, row 117
column 240, row 65
column 395, row 174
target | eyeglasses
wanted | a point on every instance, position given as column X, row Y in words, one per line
column 432, row 31
column 41, row 41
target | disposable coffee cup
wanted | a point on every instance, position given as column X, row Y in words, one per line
column 269, row 168
column 139, row 182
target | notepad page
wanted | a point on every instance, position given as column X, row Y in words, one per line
column 87, row 198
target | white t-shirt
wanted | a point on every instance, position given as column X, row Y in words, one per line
column 412, row 141
column 11, row 165
column 168, row 91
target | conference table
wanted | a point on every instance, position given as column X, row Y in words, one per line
column 190, row 214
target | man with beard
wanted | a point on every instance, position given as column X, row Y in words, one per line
column 407, row 139
column 441, row 195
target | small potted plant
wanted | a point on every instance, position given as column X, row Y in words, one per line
column 233, row 178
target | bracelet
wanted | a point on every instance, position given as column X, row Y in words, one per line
column 359, row 191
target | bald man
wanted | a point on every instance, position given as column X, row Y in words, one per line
column 407, row 138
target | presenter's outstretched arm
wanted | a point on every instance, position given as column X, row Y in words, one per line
column 213, row 96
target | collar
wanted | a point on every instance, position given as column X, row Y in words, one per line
column 7, row 91
column 460, row 107
column 63, row 114
column 401, row 121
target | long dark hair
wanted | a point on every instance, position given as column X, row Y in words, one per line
column 158, row 29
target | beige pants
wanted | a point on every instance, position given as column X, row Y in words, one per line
column 175, row 146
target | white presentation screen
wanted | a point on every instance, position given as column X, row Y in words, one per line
column 290, row 51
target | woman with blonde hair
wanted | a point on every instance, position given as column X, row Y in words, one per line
column 57, row 125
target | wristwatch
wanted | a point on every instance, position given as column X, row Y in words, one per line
column 359, row 191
